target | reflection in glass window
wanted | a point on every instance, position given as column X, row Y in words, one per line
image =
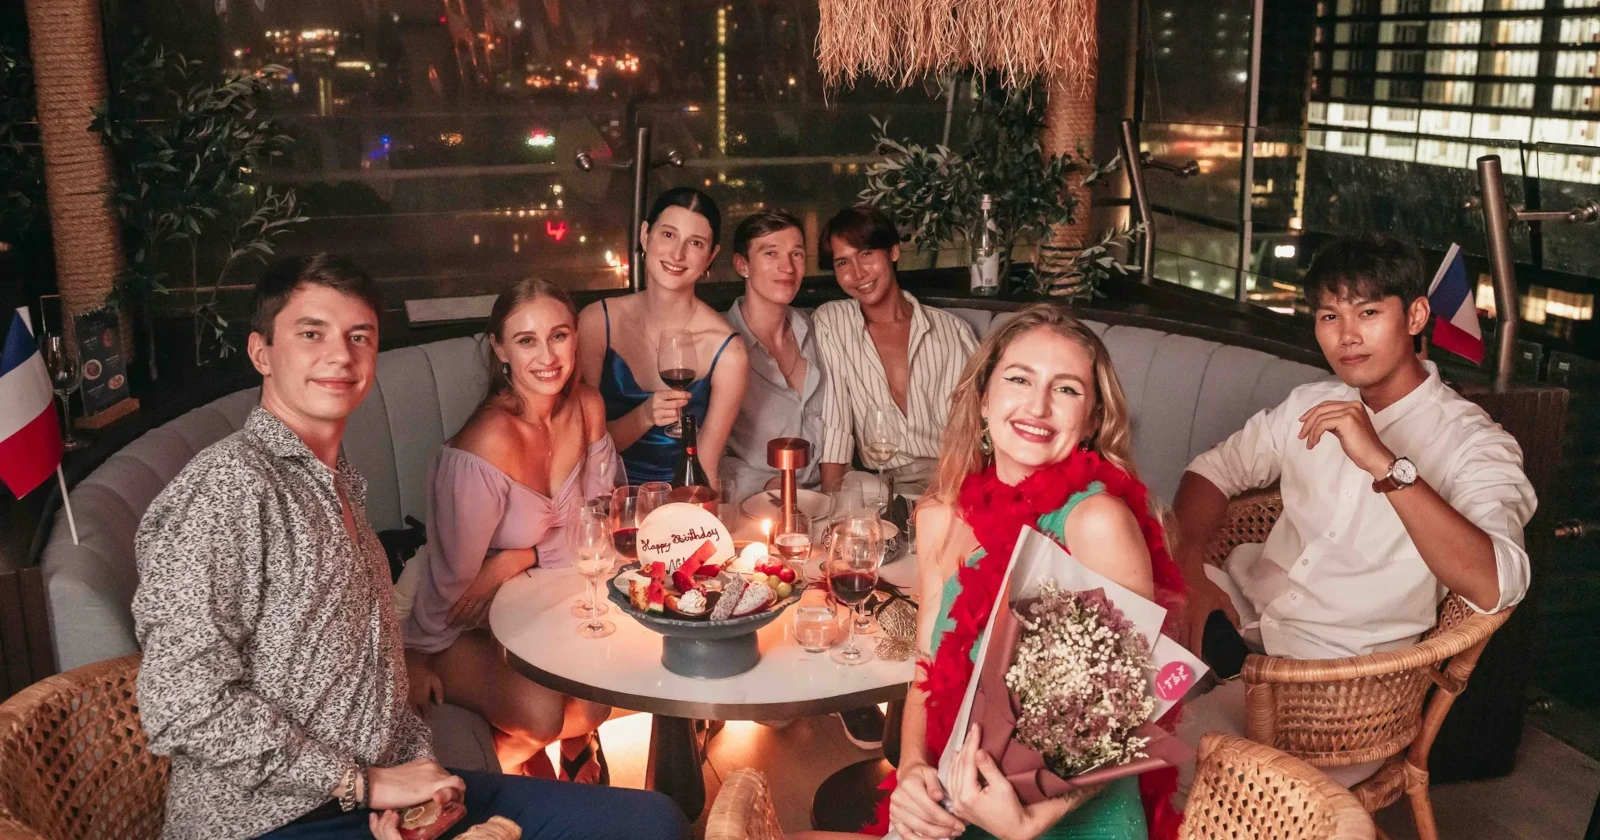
column 1562, row 166
column 1453, row 62
column 1575, row 98
column 1572, row 64
column 1502, row 127
column 1394, row 119
column 1514, row 63
column 1455, row 31
column 1541, row 302
column 1448, row 123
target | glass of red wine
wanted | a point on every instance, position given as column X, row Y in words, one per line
column 676, row 363
column 625, row 519
column 852, row 572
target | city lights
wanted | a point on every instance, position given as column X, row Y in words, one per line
column 1283, row 252
column 541, row 139
column 556, row 230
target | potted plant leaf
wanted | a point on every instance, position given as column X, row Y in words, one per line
column 933, row 193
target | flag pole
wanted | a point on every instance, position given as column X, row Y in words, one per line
column 66, row 504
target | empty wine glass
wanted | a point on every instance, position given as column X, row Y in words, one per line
column 676, row 364
column 881, row 439
column 652, row 494
column 65, row 377
column 852, row 571
column 598, row 507
column 591, row 538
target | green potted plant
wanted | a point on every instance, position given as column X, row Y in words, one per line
column 933, row 193
column 188, row 155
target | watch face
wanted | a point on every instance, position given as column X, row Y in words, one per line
column 1404, row 471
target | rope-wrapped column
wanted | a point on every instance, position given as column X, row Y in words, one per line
column 1069, row 125
column 70, row 79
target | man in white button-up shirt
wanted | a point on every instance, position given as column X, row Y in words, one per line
column 1396, row 489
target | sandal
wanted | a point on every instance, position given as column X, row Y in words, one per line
column 593, row 754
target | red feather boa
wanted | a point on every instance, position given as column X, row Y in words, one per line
column 997, row 513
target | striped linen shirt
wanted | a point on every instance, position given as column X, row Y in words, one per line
column 939, row 346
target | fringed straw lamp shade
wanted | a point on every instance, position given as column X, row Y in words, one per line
column 898, row 41
column 69, row 68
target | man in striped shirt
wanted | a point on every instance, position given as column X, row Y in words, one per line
column 882, row 348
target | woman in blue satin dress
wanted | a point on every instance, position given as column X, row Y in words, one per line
column 618, row 339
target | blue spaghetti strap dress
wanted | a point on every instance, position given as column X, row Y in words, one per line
column 653, row 455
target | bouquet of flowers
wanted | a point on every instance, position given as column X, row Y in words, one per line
column 1071, row 676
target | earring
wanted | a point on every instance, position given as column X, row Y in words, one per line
column 505, row 370
column 985, row 443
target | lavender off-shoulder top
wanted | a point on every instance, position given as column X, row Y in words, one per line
column 474, row 510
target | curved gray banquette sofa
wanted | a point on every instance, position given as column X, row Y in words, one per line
column 1186, row 395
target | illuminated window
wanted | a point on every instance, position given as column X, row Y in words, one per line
column 1580, row 4
column 1455, row 31
column 1560, row 166
column 1448, row 93
column 1400, row 61
column 1394, row 147
column 1578, row 132
column 1405, row 7
column 1394, row 119
column 1354, row 116
column 1317, row 139
column 1578, row 65
column 1580, row 30
column 1453, row 62
column 1518, row 31
column 1518, row 63
column 1575, row 98
column 1341, row 33
column 1392, row 32
column 1441, row 152
column 1339, row 87
column 1318, row 112
column 1448, row 123
column 1514, row 5
column 1398, row 90
column 1501, row 127
column 1456, row 6
column 1506, row 95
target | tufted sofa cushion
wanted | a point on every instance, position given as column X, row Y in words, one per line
column 1185, row 394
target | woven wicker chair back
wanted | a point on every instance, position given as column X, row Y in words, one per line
column 73, row 759
column 743, row 809
column 1245, row 791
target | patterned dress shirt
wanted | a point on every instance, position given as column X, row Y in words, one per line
column 272, row 656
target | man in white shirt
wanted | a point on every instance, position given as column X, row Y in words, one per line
column 1396, row 490
column 882, row 348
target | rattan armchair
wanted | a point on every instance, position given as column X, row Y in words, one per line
column 73, row 762
column 1383, row 706
column 743, row 809
column 1243, row 791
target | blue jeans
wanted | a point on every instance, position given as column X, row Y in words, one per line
column 546, row 810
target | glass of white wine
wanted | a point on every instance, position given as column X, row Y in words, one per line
column 881, row 440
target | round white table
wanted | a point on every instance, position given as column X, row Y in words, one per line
column 531, row 617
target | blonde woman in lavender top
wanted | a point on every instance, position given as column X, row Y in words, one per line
column 500, row 493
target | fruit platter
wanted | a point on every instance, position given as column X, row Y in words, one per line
column 708, row 603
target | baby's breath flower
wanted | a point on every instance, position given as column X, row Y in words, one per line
column 1079, row 676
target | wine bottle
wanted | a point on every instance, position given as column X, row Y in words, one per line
column 688, row 472
column 985, row 263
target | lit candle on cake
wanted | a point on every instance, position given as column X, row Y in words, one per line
column 766, row 532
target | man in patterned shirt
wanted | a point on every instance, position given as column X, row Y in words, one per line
column 273, row 673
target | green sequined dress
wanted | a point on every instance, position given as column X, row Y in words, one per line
column 1117, row 813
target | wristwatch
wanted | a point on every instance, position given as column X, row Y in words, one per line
column 1402, row 474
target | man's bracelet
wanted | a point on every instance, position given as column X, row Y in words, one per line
column 348, row 797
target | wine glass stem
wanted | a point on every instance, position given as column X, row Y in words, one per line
column 594, row 613
column 66, row 414
column 850, row 640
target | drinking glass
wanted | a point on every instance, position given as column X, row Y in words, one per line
column 881, row 439
column 591, row 537
column 852, row 571
column 625, row 519
column 792, row 542
column 652, row 494
column 813, row 626
column 676, row 364
column 598, row 507
column 65, row 377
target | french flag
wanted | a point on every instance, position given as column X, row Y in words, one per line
column 30, row 440
column 1455, row 325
